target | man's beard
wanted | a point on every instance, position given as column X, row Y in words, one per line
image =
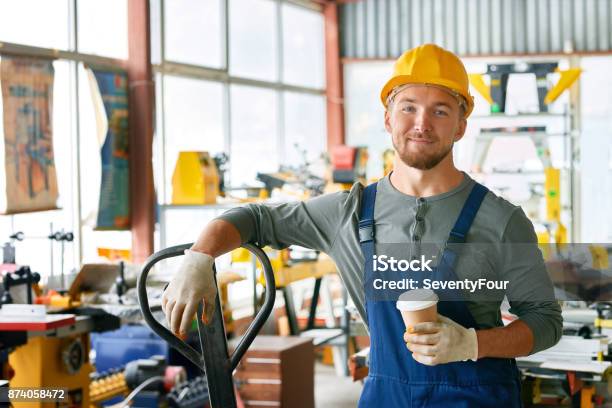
column 422, row 161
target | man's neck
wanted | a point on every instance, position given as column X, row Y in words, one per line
column 425, row 183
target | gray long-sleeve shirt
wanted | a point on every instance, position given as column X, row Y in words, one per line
column 329, row 223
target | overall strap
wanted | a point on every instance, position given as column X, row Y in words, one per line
column 446, row 268
column 466, row 217
column 468, row 213
column 366, row 227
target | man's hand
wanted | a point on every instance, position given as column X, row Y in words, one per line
column 192, row 282
column 442, row 342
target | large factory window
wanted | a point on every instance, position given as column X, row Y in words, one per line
column 47, row 27
column 283, row 81
column 304, row 125
column 193, row 120
column 75, row 26
column 303, row 53
column 254, row 132
column 253, row 35
column 193, row 32
column 102, row 26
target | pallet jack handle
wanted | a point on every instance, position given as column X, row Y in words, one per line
column 214, row 359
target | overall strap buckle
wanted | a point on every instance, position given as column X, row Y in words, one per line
column 366, row 214
column 366, row 231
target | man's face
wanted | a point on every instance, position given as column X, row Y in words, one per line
column 424, row 122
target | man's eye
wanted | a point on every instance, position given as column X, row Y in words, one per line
column 408, row 109
column 441, row 113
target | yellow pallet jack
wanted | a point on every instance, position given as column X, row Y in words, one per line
column 214, row 359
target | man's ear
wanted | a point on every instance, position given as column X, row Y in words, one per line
column 388, row 121
column 461, row 130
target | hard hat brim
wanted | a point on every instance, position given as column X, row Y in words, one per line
column 411, row 79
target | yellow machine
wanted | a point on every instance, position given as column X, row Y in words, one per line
column 58, row 358
column 195, row 179
column 54, row 352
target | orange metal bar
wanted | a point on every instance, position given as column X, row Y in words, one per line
column 142, row 102
column 333, row 74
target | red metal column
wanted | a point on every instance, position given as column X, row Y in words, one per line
column 142, row 103
column 333, row 74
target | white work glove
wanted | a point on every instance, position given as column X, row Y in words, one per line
column 441, row 342
column 192, row 282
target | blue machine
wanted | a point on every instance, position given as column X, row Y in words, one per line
column 131, row 342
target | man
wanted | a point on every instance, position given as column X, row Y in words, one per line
column 465, row 358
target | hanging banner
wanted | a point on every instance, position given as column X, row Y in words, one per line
column 110, row 95
column 28, row 180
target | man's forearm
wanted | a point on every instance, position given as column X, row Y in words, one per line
column 217, row 238
column 510, row 341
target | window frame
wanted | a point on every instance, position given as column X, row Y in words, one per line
column 159, row 71
column 74, row 58
column 168, row 67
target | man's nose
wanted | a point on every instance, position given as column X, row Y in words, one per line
column 422, row 122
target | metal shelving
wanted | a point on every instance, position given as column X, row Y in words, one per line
column 540, row 139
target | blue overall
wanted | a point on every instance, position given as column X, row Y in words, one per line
column 395, row 378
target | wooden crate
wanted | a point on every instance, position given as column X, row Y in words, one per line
column 277, row 371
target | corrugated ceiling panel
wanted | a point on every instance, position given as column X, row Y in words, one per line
column 385, row 28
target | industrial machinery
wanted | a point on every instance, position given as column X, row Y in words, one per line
column 579, row 367
column 189, row 394
column 213, row 359
column 348, row 164
column 22, row 276
column 495, row 94
column 50, row 350
column 299, row 179
column 151, row 382
column 532, row 126
column 576, row 368
column 221, row 162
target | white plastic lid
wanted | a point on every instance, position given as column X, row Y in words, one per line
column 416, row 299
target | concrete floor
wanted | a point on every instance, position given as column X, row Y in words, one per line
column 332, row 391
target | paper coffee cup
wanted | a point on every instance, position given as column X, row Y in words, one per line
column 417, row 306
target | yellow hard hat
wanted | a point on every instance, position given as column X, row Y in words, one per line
column 432, row 65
